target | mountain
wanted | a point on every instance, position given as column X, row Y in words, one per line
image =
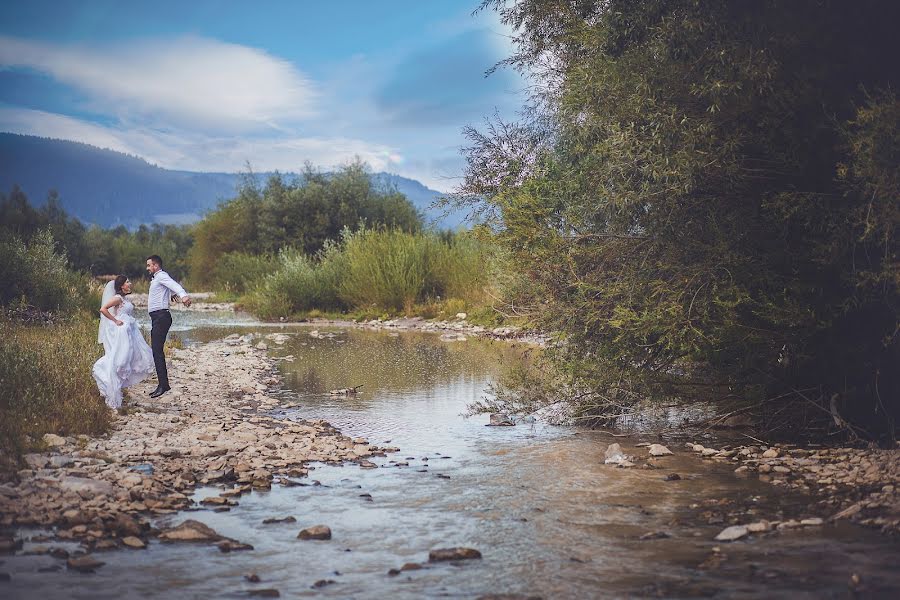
column 110, row 188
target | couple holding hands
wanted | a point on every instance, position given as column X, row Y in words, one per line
column 127, row 358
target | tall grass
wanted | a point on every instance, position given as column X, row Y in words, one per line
column 387, row 269
column 382, row 269
column 237, row 272
column 46, row 382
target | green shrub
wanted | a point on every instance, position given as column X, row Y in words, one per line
column 33, row 273
column 380, row 270
column 387, row 268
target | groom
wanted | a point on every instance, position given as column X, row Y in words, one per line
column 162, row 287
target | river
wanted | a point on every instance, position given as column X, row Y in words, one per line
column 550, row 519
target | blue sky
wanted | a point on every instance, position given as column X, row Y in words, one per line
column 206, row 85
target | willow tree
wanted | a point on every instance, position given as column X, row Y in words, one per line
column 704, row 196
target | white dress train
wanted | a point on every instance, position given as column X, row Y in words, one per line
column 128, row 359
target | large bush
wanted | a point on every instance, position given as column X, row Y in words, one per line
column 34, row 274
column 706, row 202
column 382, row 269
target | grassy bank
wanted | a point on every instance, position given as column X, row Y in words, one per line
column 376, row 273
column 45, row 375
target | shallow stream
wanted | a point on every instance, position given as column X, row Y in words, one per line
column 550, row 519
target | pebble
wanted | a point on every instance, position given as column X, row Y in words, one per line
column 730, row 534
column 317, row 532
column 446, row 554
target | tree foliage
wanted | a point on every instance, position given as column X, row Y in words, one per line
column 707, row 191
column 93, row 249
column 301, row 214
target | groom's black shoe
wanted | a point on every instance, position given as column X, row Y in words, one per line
column 159, row 392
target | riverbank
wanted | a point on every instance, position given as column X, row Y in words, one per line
column 211, row 429
column 860, row 485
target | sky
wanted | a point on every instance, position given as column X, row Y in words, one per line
column 212, row 86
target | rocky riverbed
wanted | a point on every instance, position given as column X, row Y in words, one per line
column 862, row 485
column 211, row 429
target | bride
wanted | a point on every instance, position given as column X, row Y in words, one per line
column 127, row 359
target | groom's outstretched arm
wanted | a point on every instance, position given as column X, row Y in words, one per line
column 166, row 280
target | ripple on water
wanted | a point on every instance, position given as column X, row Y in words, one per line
column 548, row 516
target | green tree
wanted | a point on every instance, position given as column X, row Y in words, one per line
column 706, row 193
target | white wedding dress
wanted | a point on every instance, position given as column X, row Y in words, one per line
column 128, row 359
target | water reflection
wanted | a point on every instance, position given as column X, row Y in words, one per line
column 549, row 517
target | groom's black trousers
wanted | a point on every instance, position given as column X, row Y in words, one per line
column 161, row 320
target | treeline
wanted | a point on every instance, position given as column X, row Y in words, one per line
column 93, row 249
column 704, row 200
column 335, row 242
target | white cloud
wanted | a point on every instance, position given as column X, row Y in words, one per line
column 189, row 82
column 200, row 152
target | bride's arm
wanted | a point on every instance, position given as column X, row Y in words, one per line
column 114, row 301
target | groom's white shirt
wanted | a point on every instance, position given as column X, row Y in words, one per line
column 161, row 289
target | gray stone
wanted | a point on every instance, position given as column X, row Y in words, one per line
column 36, row 461
column 54, row 441
column 658, row 450
column 730, row 534
column 86, row 488
column 500, row 420
column 61, row 461
column 614, row 455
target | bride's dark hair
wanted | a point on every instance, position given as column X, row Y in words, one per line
column 120, row 281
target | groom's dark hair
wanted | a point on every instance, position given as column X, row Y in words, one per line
column 155, row 259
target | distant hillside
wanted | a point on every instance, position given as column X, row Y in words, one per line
column 111, row 188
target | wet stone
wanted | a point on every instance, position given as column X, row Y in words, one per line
column 190, row 531
column 445, row 554
column 275, row 520
column 318, row 532
column 730, row 534
column 84, row 564
column 658, row 450
column 226, row 546
column 134, row 542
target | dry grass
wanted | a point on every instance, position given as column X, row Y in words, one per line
column 46, row 384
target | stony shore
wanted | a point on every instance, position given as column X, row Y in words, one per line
column 855, row 484
column 211, row 429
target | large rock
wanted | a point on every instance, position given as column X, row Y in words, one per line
column 318, row 532
column 658, row 450
column 54, row 441
column 86, row 488
column 126, row 525
column 190, row 531
column 445, row 554
column 730, row 534
column 615, row 456
column 134, row 542
column 500, row 420
column 36, row 461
